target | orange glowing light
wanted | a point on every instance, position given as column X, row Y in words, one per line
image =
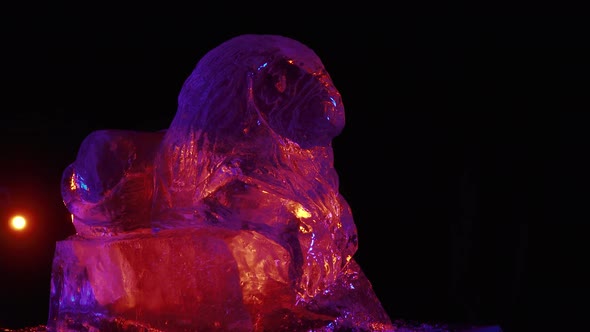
column 18, row 223
column 302, row 212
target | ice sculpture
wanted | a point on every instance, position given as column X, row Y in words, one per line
column 229, row 220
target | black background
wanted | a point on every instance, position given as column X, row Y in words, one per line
column 464, row 156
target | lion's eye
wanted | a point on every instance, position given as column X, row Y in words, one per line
column 283, row 76
column 278, row 80
column 280, row 83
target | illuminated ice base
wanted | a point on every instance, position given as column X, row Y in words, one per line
column 198, row 280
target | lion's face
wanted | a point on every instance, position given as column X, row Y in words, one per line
column 297, row 103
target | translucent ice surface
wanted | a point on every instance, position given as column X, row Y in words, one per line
column 230, row 219
column 109, row 187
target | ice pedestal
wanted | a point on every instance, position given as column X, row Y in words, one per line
column 230, row 219
column 198, row 280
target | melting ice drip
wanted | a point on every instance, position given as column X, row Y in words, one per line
column 229, row 220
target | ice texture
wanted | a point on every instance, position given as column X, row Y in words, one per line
column 228, row 220
column 108, row 188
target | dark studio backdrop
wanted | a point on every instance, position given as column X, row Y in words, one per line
column 464, row 146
